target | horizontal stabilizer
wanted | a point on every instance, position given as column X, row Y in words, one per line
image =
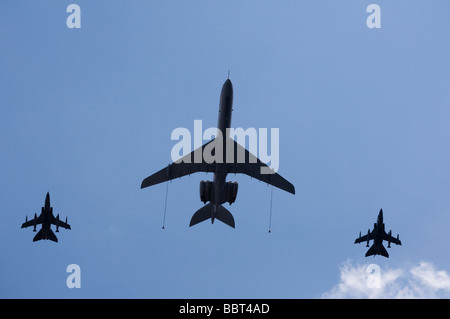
column 45, row 235
column 383, row 252
column 377, row 250
column 202, row 214
column 208, row 211
column 225, row 216
column 371, row 251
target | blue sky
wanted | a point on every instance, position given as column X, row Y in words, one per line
column 86, row 114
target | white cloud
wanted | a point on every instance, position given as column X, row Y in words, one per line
column 372, row 281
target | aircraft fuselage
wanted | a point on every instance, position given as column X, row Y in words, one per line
column 223, row 123
column 47, row 213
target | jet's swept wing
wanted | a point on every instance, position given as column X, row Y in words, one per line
column 392, row 239
column 246, row 163
column 364, row 238
column 241, row 162
column 32, row 222
column 59, row 223
column 185, row 166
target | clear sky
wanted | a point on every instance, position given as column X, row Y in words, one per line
column 364, row 120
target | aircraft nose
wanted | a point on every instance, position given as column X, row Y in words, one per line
column 227, row 88
column 228, row 84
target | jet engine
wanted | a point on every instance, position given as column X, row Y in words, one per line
column 206, row 191
column 57, row 223
column 231, row 192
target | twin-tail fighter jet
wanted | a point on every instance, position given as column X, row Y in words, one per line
column 378, row 234
column 233, row 159
column 47, row 219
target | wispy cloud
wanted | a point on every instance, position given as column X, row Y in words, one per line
column 422, row 280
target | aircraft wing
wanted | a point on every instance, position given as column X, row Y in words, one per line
column 243, row 163
column 392, row 239
column 32, row 222
column 362, row 239
column 184, row 166
column 252, row 166
column 59, row 223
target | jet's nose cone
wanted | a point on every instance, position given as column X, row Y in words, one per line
column 228, row 83
column 227, row 88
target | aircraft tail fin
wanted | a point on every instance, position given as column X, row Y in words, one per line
column 45, row 235
column 208, row 211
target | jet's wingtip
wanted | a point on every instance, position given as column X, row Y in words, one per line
column 148, row 182
column 291, row 190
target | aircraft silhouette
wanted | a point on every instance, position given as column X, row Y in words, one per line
column 47, row 219
column 233, row 159
column 378, row 234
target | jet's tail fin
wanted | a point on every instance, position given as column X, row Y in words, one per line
column 208, row 211
column 45, row 235
column 379, row 250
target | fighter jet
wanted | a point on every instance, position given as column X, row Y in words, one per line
column 233, row 159
column 378, row 234
column 47, row 219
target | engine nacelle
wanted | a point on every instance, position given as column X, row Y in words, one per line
column 231, row 192
column 206, row 191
